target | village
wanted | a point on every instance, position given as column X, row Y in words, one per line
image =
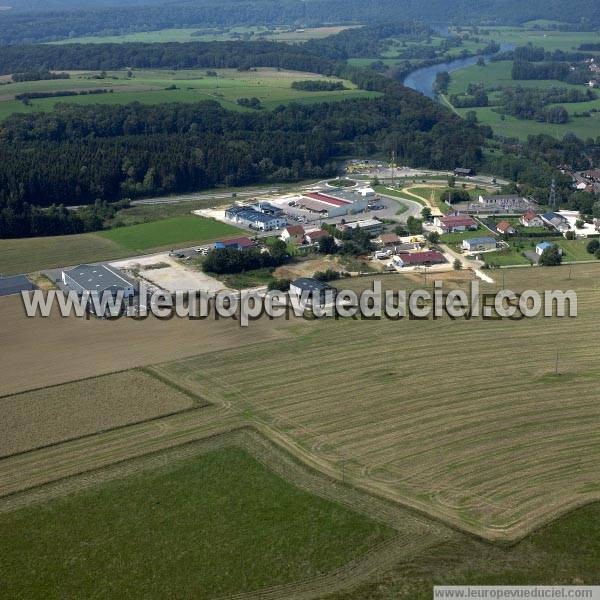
column 353, row 227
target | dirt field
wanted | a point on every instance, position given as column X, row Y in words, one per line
column 51, row 415
column 55, row 350
column 173, row 276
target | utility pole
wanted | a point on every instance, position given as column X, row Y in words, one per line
column 556, row 364
column 393, row 167
column 552, row 201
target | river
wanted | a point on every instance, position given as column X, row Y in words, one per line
column 423, row 79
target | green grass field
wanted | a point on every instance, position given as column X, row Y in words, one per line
column 33, row 254
column 499, row 74
column 148, row 86
column 550, row 40
column 564, row 552
column 279, row 34
column 176, row 230
column 203, row 527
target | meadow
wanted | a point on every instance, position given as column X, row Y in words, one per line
column 280, row 34
column 186, row 229
column 498, row 74
column 202, row 527
column 154, row 86
column 26, row 255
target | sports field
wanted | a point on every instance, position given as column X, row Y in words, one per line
column 149, row 86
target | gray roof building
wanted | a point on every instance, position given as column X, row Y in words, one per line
column 97, row 278
column 15, row 285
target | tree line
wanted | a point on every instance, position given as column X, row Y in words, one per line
column 23, row 27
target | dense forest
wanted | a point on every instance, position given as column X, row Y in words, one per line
column 26, row 27
column 80, row 154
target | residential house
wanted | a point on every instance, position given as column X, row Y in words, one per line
column 239, row 243
column 293, row 234
column 455, row 223
column 313, row 237
column 531, row 219
column 556, row 221
column 505, row 228
column 314, row 291
column 414, row 259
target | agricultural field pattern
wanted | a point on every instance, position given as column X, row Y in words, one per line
column 422, row 427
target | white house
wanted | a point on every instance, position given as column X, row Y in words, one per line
column 293, row 234
column 480, row 244
column 531, row 219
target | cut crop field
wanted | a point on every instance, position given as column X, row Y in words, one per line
column 67, row 349
column 156, row 86
column 491, row 426
column 201, row 527
column 34, row 254
column 487, row 437
column 50, row 415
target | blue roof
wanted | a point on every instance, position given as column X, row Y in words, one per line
column 544, row 245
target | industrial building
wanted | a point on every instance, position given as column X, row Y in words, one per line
column 249, row 217
column 480, row 244
column 315, row 291
column 336, row 204
column 97, row 278
column 415, row 259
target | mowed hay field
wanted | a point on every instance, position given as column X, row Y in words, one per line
column 158, row 86
column 466, row 420
column 54, row 414
column 33, row 254
column 205, row 526
column 53, row 350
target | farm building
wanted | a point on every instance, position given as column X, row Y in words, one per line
column 249, row 217
column 480, row 244
column 531, row 219
column 505, row 228
column 388, row 239
column 455, row 223
column 414, row 259
column 335, row 204
column 15, row 285
column 313, row 289
column 239, row 243
column 97, row 278
column 293, row 234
